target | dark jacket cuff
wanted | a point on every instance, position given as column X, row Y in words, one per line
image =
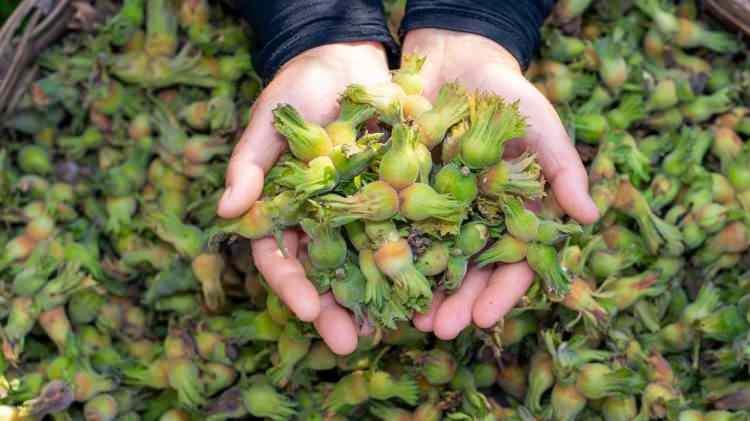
column 286, row 28
column 512, row 24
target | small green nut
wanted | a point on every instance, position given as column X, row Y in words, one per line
column 434, row 260
column 458, row 181
column 473, row 238
column 34, row 159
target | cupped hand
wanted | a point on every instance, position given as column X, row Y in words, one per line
column 312, row 83
column 487, row 294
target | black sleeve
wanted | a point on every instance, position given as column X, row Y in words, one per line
column 514, row 24
column 285, row 28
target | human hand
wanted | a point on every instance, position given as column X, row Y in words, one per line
column 479, row 63
column 311, row 82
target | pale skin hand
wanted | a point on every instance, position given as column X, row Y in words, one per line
column 312, row 83
column 487, row 294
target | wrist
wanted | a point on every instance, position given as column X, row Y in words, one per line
column 458, row 49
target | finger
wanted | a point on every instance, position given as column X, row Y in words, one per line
column 336, row 327
column 559, row 160
column 259, row 147
column 425, row 321
column 506, row 286
column 455, row 312
column 286, row 276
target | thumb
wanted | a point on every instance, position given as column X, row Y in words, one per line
column 258, row 149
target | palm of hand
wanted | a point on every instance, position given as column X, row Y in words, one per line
column 311, row 82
